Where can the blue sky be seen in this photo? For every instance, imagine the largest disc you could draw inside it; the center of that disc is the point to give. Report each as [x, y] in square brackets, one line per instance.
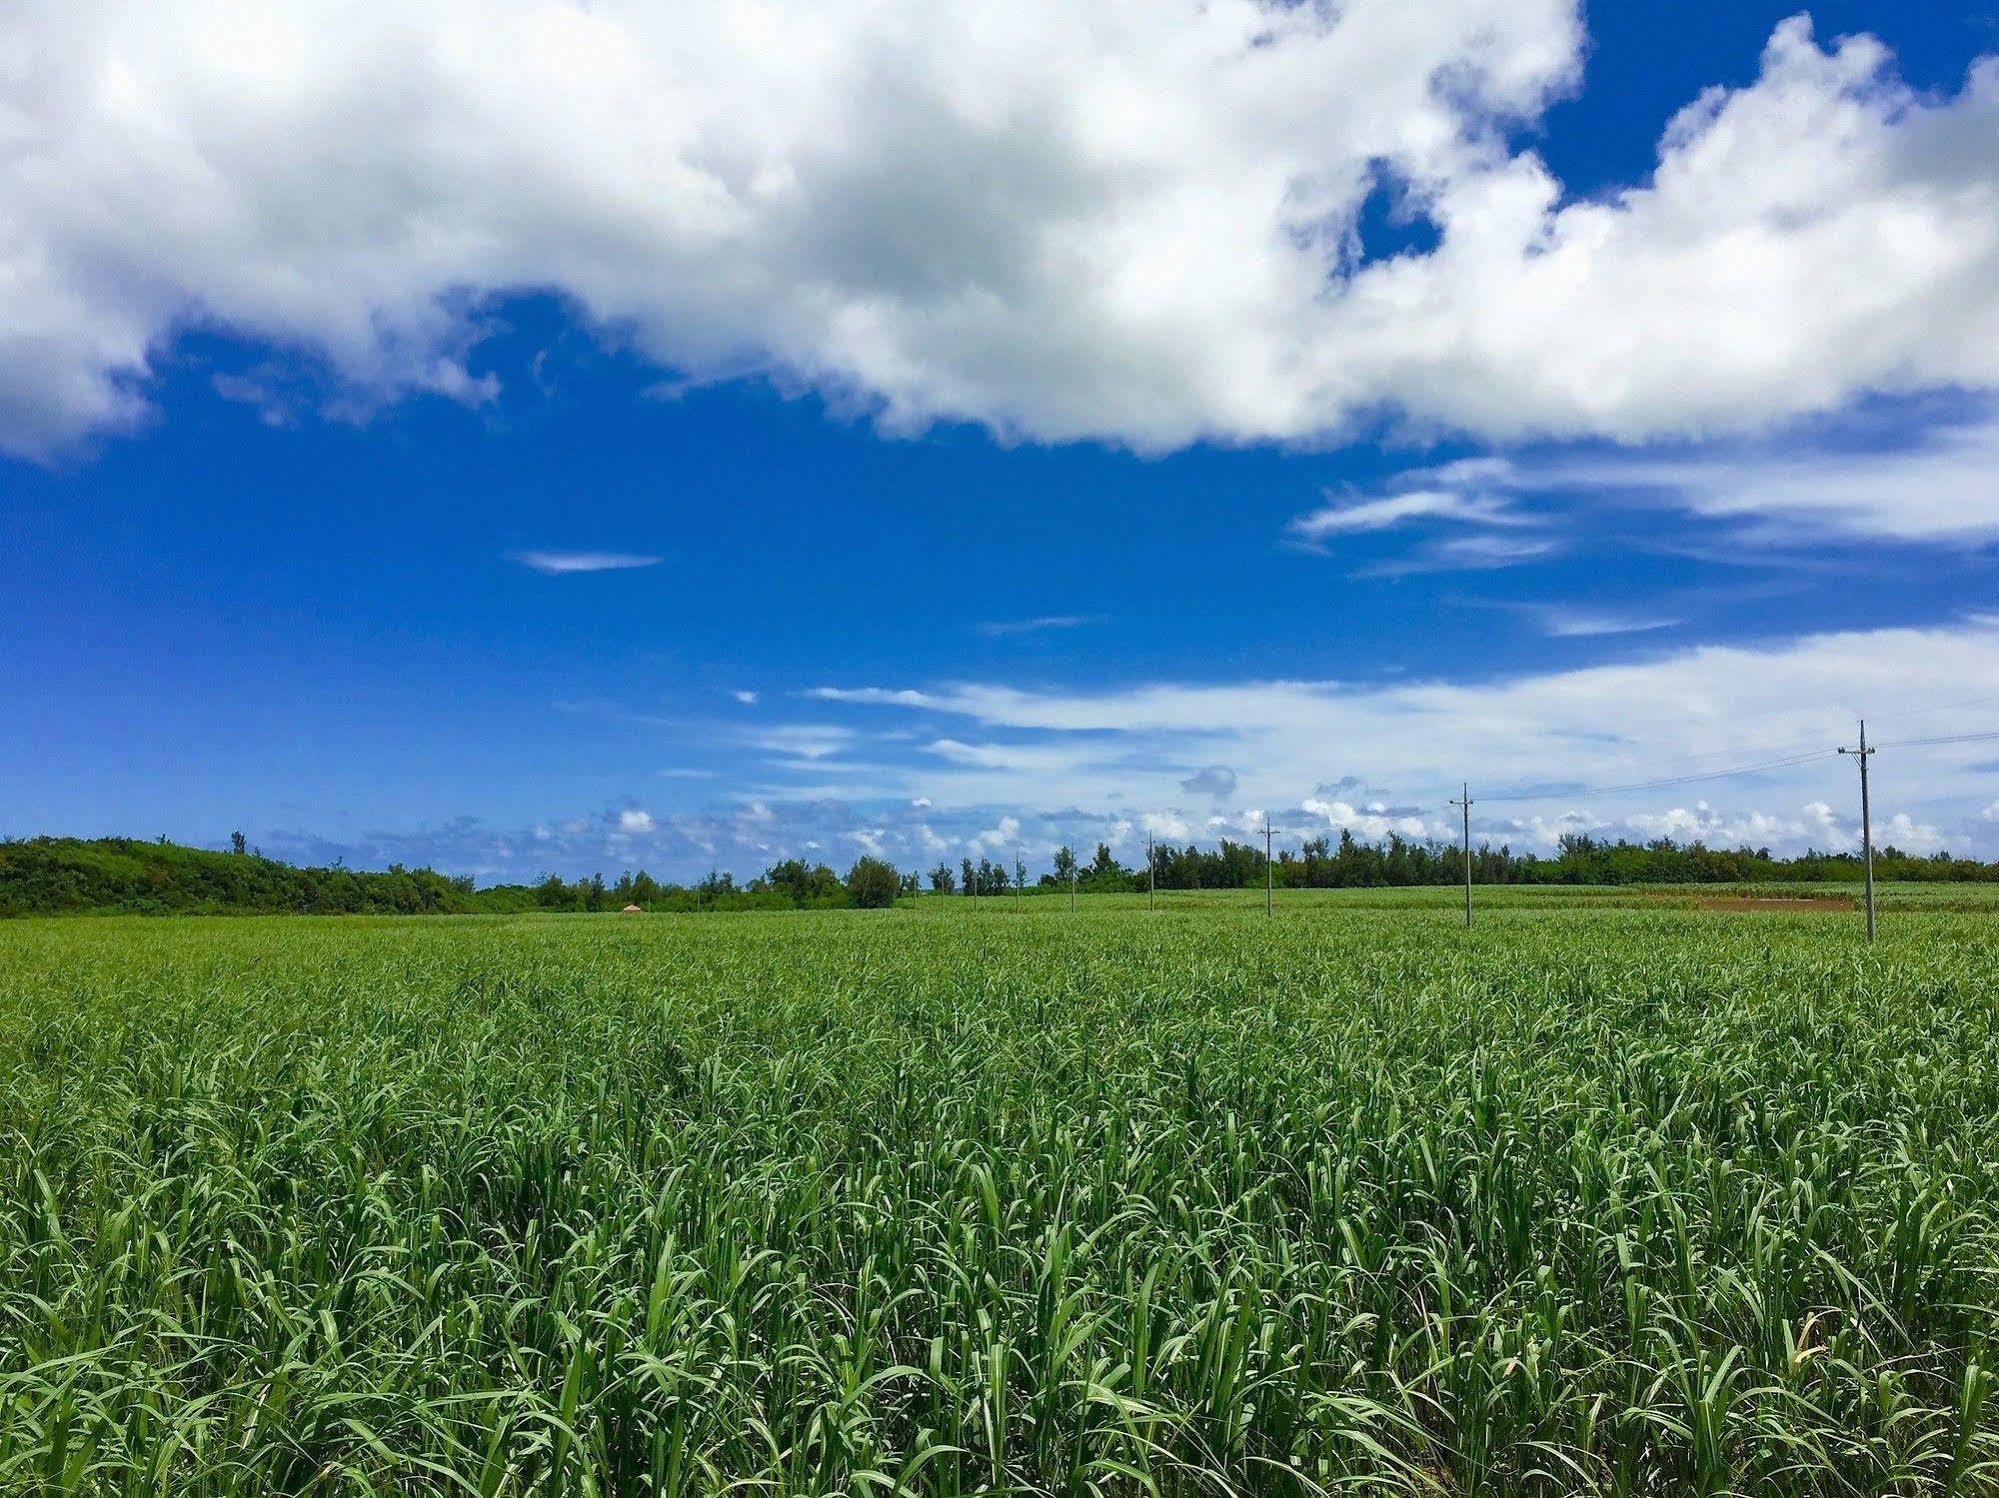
[517, 439]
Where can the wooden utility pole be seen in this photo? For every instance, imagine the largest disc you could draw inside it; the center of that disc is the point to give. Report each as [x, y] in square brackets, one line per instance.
[1269, 873]
[1151, 875]
[1019, 878]
[1463, 803]
[1866, 827]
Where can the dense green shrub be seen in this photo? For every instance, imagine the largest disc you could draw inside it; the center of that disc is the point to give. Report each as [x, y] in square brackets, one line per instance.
[873, 883]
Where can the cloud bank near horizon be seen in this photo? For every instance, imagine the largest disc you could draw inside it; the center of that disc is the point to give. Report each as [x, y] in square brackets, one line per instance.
[921, 773]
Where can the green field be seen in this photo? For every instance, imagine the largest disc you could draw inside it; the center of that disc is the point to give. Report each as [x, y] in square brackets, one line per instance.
[1938, 896]
[952, 1198]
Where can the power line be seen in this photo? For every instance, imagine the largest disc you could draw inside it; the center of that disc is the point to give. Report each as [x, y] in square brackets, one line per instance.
[1945, 707]
[1673, 780]
[1783, 763]
[1948, 738]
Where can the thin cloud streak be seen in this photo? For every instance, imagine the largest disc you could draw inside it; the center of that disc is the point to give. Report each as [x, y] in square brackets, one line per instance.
[1358, 516]
[1560, 623]
[1481, 553]
[999, 628]
[559, 563]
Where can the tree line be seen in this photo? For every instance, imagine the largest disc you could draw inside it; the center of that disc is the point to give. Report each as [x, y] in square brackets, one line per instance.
[47, 876]
[870, 884]
[1349, 863]
[111, 875]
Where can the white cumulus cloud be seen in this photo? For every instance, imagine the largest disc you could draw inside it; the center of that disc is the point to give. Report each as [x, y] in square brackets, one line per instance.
[1001, 836]
[1816, 826]
[1373, 822]
[1129, 219]
[1906, 833]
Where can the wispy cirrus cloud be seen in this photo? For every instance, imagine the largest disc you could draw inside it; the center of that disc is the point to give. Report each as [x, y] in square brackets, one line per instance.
[557, 563]
[1573, 621]
[1467, 521]
[1479, 553]
[1347, 517]
[806, 744]
[1560, 622]
[1807, 485]
[999, 628]
[877, 696]
[1940, 488]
